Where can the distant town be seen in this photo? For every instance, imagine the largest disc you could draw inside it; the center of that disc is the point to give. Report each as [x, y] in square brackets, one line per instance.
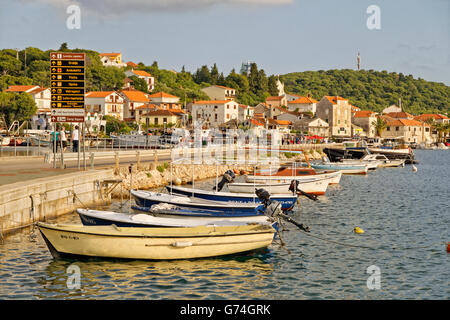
[144, 109]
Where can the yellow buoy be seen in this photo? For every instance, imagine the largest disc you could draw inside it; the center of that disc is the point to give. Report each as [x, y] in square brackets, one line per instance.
[358, 230]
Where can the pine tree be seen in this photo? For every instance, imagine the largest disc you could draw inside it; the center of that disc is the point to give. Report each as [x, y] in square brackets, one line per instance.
[214, 74]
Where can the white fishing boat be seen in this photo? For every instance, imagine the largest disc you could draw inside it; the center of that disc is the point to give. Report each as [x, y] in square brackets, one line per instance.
[96, 217]
[4, 141]
[333, 176]
[313, 186]
[153, 243]
[371, 160]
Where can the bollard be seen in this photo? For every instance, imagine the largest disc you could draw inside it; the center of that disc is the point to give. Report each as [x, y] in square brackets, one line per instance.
[116, 157]
[138, 159]
[156, 158]
[91, 157]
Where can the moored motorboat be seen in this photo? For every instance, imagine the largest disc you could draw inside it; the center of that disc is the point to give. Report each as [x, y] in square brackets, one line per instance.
[344, 168]
[334, 176]
[120, 219]
[313, 186]
[144, 198]
[154, 243]
[287, 201]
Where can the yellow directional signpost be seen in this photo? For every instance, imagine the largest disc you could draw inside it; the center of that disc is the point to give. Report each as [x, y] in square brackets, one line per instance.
[67, 85]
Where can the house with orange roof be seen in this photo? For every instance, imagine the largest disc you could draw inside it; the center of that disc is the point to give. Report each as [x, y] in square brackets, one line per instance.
[410, 131]
[132, 99]
[276, 101]
[281, 125]
[159, 117]
[400, 115]
[112, 59]
[312, 126]
[105, 103]
[337, 112]
[216, 92]
[365, 120]
[165, 100]
[149, 79]
[215, 112]
[303, 104]
[439, 118]
[42, 97]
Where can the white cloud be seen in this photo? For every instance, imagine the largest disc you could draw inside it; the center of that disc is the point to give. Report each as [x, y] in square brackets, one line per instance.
[120, 7]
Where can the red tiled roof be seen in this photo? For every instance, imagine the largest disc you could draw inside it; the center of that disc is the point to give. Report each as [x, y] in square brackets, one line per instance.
[136, 95]
[255, 122]
[141, 73]
[98, 94]
[363, 114]
[405, 122]
[20, 88]
[162, 95]
[334, 99]
[399, 115]
[304, 100]
[435, 116]
[112, 54]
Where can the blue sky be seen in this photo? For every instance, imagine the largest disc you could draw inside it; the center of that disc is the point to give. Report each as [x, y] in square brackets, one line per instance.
[281, 36]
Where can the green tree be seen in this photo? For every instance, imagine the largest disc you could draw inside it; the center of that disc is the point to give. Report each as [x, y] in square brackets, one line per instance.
[139, 84]
[380, 125]
[272, 85]
[16, 106]
[214, 74]
[9, 65]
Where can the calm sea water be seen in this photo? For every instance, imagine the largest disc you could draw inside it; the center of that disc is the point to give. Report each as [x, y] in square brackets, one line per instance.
[405, 215]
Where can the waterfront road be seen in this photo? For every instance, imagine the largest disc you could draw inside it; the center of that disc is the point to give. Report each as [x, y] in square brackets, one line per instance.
[16, 169]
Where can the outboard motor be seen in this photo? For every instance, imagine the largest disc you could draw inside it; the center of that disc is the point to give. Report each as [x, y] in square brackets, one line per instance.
[263, 196]
[227, 177]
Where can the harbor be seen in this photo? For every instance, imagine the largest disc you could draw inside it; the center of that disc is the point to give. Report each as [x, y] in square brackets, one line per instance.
[405, 230]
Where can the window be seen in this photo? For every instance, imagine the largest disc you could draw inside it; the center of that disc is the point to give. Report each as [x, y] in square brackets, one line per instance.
[388, 129]
[156, 120]
[215, 117]
[228, 116]
[164, 120]
[397, 128]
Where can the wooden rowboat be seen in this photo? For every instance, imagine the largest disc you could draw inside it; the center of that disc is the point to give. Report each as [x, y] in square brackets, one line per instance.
[153, 243]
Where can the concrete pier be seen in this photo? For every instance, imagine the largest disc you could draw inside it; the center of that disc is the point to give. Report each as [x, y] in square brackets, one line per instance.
[24, 203]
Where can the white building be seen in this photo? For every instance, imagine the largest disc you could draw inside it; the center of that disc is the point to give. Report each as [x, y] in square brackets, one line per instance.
[217, 92]
[303, 104]
[149, 79]
[215, 112]
[106, 103]
[112, 59]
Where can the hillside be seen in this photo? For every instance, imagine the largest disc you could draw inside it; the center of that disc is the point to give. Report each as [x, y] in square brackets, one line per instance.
[372, 90]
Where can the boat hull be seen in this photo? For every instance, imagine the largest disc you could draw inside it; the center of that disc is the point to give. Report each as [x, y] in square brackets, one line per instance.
[104, 218]
[148, 199]
[287, 201]
[316, 187]
[154, 243]
[345, 169]
[334, 178]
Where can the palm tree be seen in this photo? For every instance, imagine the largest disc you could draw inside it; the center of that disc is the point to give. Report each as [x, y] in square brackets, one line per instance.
[440, 128]
[380, 125]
